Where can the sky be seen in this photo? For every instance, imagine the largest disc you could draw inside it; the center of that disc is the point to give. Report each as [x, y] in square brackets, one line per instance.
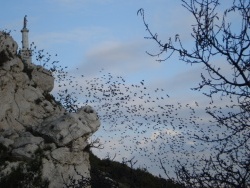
[97, 34]
[92, 35]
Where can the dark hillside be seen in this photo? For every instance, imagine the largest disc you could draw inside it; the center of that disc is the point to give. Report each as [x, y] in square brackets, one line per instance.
[107, 173]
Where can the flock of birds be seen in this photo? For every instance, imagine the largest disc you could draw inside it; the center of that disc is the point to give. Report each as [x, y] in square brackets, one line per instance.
[137, 121]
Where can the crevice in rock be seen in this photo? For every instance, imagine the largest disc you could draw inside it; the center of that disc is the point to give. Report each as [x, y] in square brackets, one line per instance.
[3, 58]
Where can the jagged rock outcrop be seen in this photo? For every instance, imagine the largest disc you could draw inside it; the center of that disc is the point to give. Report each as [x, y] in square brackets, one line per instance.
[31, 120]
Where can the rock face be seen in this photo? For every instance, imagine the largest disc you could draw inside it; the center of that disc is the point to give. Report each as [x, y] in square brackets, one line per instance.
[31, 120]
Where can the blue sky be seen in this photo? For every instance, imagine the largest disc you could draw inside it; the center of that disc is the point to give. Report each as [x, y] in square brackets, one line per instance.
[107, 34]
[101, 33]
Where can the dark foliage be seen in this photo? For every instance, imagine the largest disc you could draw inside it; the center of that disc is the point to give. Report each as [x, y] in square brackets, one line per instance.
[26, 174]
[227, 136]
[4, 154]
[83, 182]
[107, 173]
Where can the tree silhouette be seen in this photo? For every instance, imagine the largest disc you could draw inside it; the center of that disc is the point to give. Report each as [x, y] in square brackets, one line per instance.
[228, 134]
[144, 122]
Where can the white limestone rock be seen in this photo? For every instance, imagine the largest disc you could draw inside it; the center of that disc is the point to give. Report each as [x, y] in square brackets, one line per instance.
[32, 95]
[69, 127]
[52, 168]
[5, 141]
[30, 119]
[26, 145]
[27, 152]
[7, 89]
[43, 79]
[89, 114]
[7, 42]
[26, 138]
[79, 144]
[15, 64]
[63, 155]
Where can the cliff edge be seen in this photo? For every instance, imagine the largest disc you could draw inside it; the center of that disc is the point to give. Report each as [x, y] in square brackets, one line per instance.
[35, 128]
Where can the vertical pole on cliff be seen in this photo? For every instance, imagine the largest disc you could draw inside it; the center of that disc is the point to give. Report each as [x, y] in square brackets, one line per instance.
[26, 52]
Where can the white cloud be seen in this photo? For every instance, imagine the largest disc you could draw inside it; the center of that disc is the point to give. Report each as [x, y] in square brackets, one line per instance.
[119, 57]
[163, 132]
[113, 51]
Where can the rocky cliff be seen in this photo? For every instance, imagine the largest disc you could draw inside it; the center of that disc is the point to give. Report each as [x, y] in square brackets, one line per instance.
[33, 125]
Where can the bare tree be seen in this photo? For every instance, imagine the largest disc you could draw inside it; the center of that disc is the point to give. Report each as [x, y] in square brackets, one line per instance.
[215, 36]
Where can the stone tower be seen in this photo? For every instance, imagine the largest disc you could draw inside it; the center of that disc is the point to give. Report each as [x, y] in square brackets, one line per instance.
[25, 52]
